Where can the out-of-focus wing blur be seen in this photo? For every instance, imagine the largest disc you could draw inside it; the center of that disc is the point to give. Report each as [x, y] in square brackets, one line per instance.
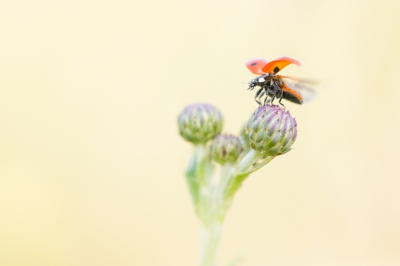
[307, 92]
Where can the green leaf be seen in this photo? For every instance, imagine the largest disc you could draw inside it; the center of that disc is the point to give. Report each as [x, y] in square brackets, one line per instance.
[234, 186]
[248, 163]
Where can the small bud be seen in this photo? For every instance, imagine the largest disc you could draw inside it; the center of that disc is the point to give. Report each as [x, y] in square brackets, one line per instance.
[199, 122]
[225, 148]
[271, 130]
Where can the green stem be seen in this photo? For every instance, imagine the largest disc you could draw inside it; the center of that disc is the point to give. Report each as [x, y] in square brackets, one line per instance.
[210, 238]
[213, 209]
[215, 198]
[199, 171]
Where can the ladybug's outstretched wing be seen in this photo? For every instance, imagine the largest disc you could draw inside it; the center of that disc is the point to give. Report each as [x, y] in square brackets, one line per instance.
[297, 92]
[278, 64]
[256, 65]
[291, 79]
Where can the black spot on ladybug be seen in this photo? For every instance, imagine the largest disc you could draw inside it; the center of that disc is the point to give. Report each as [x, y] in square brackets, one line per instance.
[276, 70]
[254, 64]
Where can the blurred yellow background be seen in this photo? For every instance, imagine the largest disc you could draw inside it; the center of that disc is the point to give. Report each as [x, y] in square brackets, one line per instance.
[91, 164]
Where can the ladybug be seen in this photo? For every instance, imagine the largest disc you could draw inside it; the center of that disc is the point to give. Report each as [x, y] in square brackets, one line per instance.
[275, 86]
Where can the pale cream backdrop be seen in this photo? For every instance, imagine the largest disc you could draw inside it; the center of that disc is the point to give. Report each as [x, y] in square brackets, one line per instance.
[91, 164]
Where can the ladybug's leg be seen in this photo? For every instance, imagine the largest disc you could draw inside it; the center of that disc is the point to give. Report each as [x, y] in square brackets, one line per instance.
[261, 95]
[258, 95]
[272, 94]
[281, 103]
[280, 99]
[278, 92]
[272, 100]
[266, 94]
[271, 97]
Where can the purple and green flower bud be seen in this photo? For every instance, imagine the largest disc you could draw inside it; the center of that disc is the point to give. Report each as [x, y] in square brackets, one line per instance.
[225, 148]
[200, 122]
[271, 130]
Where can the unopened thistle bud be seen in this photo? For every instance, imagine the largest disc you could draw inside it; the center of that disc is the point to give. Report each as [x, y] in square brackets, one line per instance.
[225, 148]
[244, 138]
[200, 122]
[271, 130]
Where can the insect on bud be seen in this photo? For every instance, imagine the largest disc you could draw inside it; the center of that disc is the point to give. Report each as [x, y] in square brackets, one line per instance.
[271, 130]
[199, 122]
[225, 148]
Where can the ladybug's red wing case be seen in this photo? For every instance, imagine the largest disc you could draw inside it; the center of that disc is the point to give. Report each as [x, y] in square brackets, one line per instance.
[278, 64]
[256, 65]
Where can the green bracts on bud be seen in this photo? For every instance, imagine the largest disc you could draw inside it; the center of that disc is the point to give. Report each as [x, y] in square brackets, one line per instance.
[225, 148]
[244, 138]
[271, 130]
[199, 122]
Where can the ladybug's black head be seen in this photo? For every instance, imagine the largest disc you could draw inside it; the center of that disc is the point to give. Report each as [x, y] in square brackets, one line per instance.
[259, 81]
[252, 84]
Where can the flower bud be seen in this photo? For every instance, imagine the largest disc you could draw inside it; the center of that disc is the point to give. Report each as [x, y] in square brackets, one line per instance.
[271, 130]
[199, 122]
[225, 148]
[244, 138]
